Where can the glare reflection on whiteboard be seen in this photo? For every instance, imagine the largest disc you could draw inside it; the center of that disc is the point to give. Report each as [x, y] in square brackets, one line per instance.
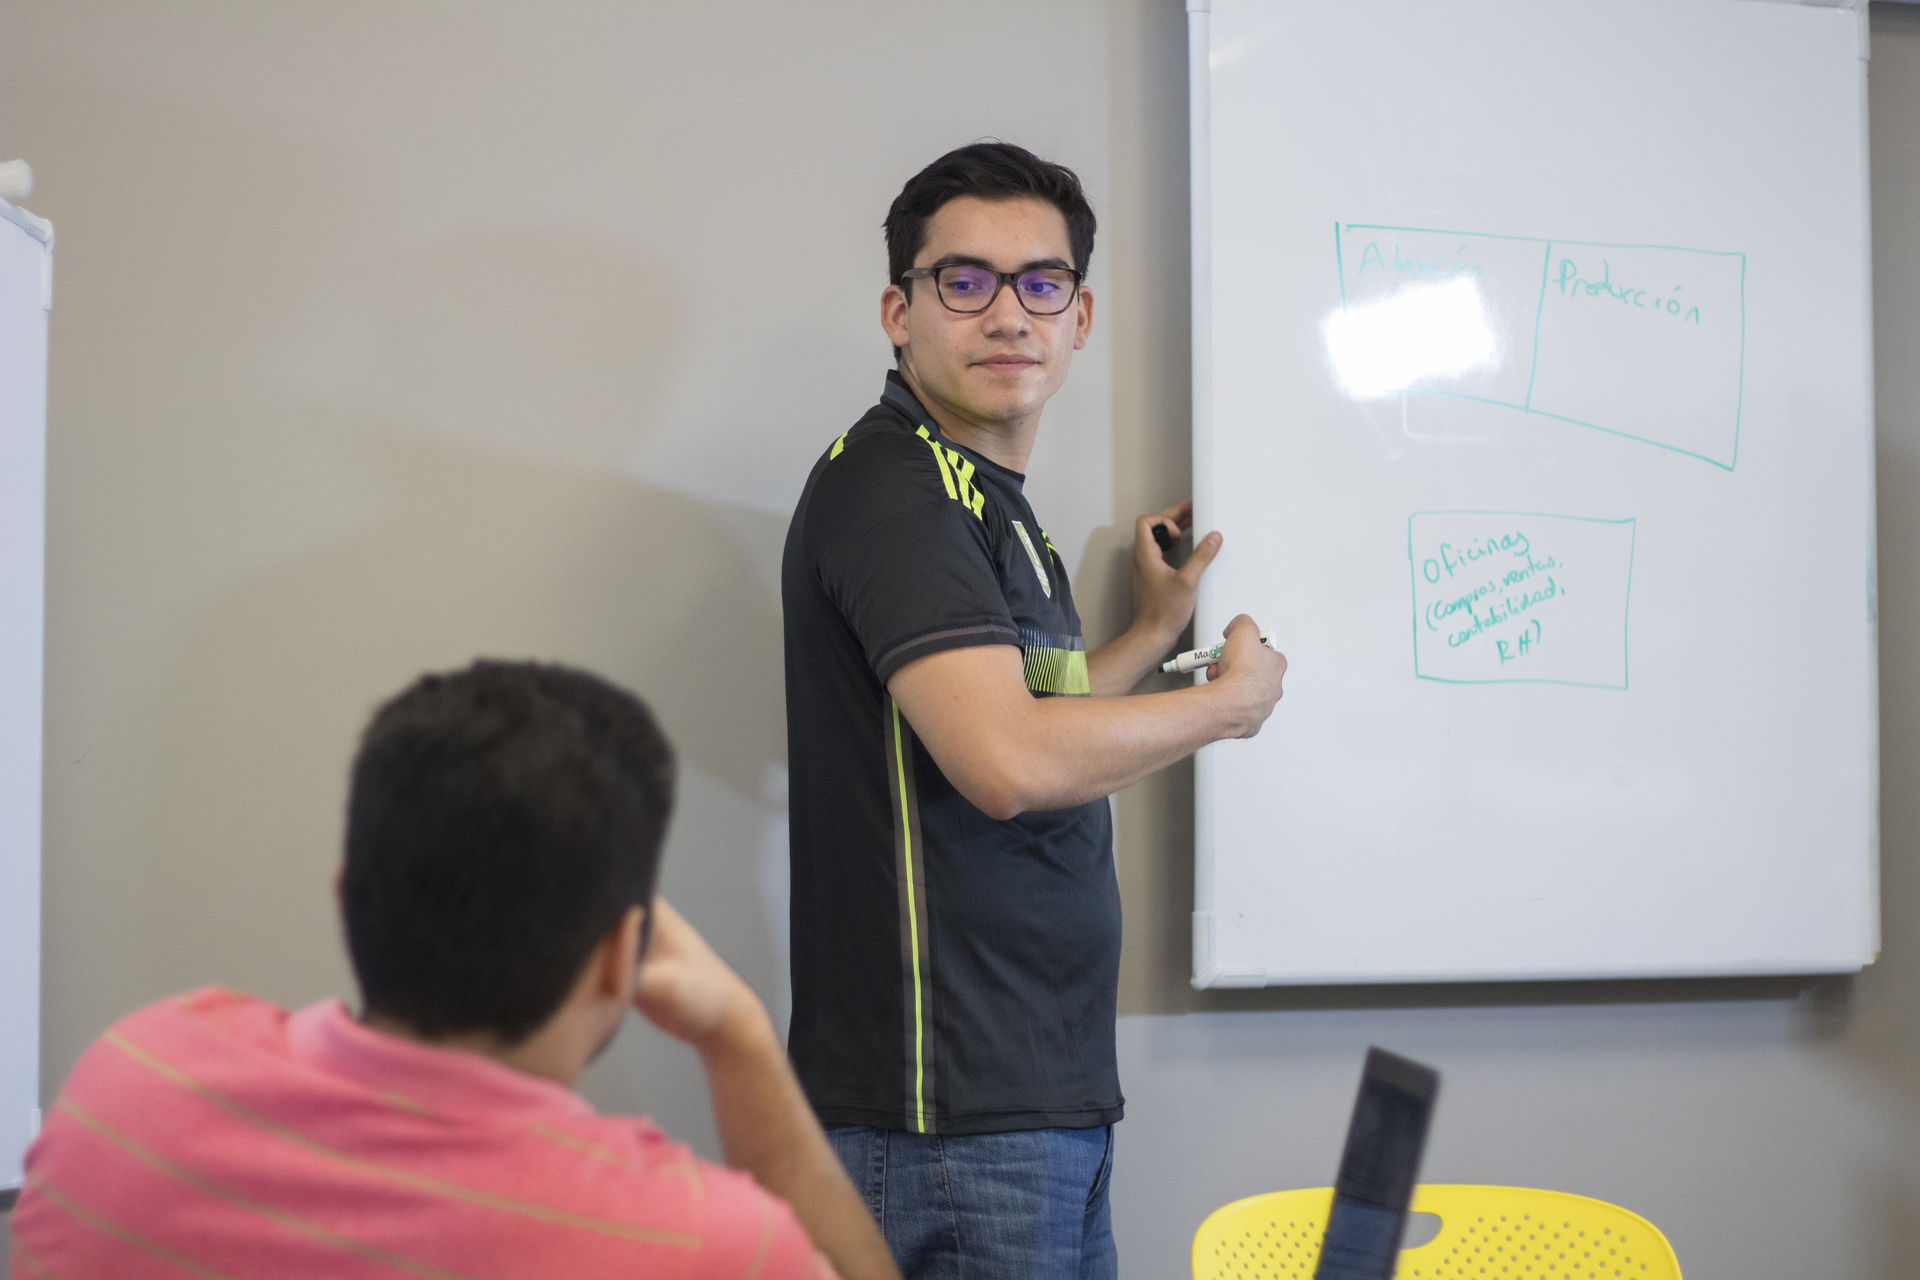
[1411, 338]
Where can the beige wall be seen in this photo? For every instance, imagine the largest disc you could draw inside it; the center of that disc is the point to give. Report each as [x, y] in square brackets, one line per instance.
[386, 335]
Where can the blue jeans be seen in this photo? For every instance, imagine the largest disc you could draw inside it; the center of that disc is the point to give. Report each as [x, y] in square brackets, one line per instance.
[1030, 1205]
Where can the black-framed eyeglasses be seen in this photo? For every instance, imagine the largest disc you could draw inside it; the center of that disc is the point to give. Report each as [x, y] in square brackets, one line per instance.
[1043, 291]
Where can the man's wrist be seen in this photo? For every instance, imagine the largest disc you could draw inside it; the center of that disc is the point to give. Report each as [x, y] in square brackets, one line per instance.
[1157, 634]
[1228, 708]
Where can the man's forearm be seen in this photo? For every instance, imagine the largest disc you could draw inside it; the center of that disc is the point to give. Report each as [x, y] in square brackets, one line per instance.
[1015, 753]
[1085, 748]
[1124, 661]
[1008, 752]
[767, 1129]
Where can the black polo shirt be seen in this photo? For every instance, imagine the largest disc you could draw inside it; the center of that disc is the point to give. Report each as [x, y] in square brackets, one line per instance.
[951, 973]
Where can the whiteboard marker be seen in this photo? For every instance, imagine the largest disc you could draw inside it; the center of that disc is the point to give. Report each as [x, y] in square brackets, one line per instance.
[1198, 658]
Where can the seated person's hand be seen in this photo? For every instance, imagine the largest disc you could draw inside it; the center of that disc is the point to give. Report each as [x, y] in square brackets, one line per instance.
[687, 990]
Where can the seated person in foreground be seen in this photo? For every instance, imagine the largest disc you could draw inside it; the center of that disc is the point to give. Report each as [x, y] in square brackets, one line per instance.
[503, 835]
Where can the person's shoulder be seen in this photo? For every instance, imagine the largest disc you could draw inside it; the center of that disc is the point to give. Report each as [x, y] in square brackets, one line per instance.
[217, 1011]
[883, 466]
[882, 442]
[191, 1037]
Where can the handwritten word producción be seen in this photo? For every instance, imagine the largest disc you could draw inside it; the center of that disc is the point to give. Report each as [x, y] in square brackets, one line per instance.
[1569, 281]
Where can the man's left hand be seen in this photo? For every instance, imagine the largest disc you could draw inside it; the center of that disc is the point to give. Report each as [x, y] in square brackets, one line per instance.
[1163, 595]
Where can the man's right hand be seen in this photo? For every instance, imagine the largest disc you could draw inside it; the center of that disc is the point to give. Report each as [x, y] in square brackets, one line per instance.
[688, 991]
[1250, 673]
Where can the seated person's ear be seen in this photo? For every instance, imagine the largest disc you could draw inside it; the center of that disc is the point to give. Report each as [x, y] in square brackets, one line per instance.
[625, 948]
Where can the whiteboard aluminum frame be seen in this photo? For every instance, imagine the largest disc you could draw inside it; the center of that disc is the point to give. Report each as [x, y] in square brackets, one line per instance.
[23, 449]
[1206, 972]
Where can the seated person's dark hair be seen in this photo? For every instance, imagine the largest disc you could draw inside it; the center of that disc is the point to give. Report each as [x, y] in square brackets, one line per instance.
[501, 820]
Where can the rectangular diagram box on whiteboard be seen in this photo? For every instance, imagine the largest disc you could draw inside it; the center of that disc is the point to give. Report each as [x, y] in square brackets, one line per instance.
[1642, 341]
[1516, 596]
[1401, 287]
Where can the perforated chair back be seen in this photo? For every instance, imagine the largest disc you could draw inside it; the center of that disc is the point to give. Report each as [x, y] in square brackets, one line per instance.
[1486, 1233]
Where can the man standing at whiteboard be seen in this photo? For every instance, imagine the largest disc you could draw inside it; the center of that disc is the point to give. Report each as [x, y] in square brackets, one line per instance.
[955, 912]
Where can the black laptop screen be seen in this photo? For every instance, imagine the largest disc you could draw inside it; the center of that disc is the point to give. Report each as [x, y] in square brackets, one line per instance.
[1378, 1169]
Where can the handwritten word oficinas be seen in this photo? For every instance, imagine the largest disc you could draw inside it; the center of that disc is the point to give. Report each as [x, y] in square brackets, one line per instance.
[1571, 283]
[1457, 265]
[1452, 559]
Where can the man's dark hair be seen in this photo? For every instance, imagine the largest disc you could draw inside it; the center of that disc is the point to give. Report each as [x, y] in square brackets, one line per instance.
[501, 821]
[988, 171]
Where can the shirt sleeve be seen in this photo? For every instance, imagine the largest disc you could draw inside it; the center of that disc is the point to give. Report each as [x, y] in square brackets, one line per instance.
[752, 1234]
[790, 1253]
[908, 567]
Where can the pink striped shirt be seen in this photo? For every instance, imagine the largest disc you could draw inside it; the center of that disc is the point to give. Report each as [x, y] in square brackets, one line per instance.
[217, 1135]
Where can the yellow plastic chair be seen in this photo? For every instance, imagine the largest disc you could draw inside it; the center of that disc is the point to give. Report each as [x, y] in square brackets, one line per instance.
[1486, 1233]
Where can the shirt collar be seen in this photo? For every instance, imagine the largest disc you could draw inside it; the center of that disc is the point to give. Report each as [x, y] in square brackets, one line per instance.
[896, 395]
[326, 1036]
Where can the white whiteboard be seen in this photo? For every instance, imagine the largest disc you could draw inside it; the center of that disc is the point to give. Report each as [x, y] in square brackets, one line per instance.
[26, 291]
[1532, 392]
